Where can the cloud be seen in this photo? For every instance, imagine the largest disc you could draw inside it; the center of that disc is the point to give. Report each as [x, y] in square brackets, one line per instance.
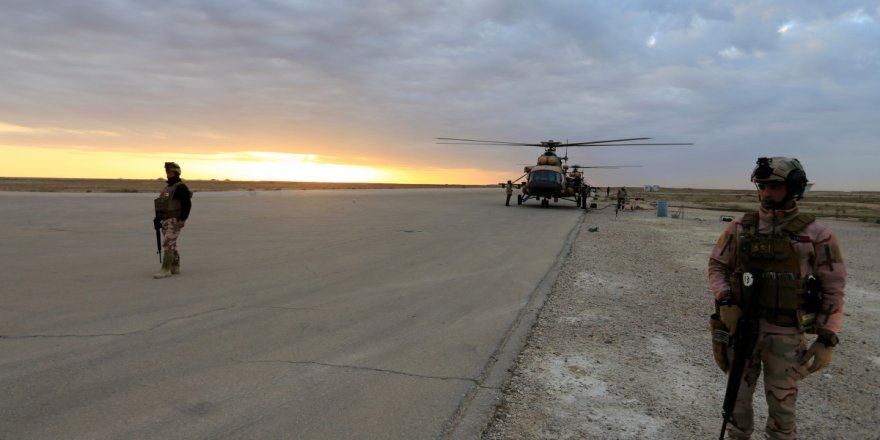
[12, 128]
[375, 77]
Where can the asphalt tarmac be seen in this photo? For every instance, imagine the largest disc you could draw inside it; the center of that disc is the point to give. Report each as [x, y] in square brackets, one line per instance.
[387, 314]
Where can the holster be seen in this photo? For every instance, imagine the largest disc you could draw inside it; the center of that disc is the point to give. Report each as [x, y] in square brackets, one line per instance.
[720, 342]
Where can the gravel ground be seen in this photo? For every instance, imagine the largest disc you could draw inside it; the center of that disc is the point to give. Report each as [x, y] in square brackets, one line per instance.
[621, 348]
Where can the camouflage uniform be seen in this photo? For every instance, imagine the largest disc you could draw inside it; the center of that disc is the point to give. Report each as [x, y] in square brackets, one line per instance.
[172, 210]
[170, 230]
[780, 348]
[509, 190]
[621, 197]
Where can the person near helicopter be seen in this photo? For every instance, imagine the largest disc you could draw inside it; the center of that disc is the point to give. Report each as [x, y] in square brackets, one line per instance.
[786, 270]
[509, 189]
[621, 197]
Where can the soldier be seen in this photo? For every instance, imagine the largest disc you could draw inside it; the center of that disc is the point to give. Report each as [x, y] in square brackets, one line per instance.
[775, 255]
[621, 197]
[509, 189]
[172, 209]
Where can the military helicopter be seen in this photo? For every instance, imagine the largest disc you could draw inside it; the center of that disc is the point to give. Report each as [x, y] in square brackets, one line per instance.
[551, 178]
[583, 189]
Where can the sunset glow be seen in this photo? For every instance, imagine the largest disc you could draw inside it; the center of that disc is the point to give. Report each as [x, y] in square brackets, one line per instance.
[20, 161]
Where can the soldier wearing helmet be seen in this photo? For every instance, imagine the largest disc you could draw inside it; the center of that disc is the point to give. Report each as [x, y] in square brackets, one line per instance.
[790, 267]
[172, 209]
[508, 189]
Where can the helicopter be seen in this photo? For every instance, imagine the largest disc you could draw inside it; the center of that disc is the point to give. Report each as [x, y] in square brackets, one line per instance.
[575, 179]
[551, 178]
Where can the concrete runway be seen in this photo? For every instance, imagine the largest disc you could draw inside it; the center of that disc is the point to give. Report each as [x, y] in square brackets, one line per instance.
[387, 314]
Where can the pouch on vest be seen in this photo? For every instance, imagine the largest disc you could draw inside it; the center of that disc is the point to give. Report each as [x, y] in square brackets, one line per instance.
[166, 206]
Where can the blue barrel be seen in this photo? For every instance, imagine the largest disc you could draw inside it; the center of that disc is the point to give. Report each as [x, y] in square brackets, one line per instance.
[662, 208]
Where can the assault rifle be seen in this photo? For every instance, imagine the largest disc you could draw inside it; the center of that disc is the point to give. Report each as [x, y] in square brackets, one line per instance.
[743, 344]
[157, 226]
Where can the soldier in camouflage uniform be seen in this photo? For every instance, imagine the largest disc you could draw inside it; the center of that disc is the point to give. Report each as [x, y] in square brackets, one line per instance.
[621, 197]
[509, 191]
[786, 251]
[172, 209]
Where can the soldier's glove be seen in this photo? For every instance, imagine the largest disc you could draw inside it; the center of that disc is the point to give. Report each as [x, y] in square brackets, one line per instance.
[820, 355]
[729, 317]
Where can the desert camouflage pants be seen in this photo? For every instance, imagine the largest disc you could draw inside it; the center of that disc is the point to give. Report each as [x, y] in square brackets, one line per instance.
[171, 231]
[780, 357]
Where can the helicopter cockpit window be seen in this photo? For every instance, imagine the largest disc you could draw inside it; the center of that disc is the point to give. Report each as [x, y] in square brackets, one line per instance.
[546, 176]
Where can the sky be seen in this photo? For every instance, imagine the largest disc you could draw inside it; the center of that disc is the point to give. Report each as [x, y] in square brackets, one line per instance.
[358, 91]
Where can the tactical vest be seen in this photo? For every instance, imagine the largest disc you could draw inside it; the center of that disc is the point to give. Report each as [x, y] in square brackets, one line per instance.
[166, 205]
[778, 284]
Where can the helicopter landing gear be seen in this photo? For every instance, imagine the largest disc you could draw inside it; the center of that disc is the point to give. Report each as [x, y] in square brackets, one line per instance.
[519, 199]
[577, 201]
[545, 203]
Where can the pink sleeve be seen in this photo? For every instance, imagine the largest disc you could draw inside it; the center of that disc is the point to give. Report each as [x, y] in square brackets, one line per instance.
[721, 260]
[829, 268]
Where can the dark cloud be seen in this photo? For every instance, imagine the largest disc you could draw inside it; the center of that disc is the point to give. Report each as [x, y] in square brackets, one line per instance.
[741, 79]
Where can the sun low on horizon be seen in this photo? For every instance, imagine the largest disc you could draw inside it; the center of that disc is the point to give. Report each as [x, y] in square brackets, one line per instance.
[22, 161]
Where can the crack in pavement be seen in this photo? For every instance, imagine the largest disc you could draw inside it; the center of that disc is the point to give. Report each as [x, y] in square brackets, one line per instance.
[133, 332]
[310, 309]
[358, 367]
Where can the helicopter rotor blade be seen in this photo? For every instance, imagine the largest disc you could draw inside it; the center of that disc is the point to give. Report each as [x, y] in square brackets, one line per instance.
[604, 142]
[482, 142]
[607, 166]
[497, 144]
[625, 145]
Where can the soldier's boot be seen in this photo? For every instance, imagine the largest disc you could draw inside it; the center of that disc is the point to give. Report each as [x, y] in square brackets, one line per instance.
[167, 261]
[175, 264]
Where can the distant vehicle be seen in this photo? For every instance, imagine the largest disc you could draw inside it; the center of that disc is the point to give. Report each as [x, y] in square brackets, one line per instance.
[551, 178]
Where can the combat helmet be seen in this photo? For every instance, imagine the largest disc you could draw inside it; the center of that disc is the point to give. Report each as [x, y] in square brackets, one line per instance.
[172, 166]
[782, 169]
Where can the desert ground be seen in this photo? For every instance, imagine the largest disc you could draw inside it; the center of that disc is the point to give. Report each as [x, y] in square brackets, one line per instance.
[621, 347]
[403, 313]
[856, 205]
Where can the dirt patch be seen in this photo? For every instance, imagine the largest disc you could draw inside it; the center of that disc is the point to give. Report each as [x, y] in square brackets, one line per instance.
[621, 348]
